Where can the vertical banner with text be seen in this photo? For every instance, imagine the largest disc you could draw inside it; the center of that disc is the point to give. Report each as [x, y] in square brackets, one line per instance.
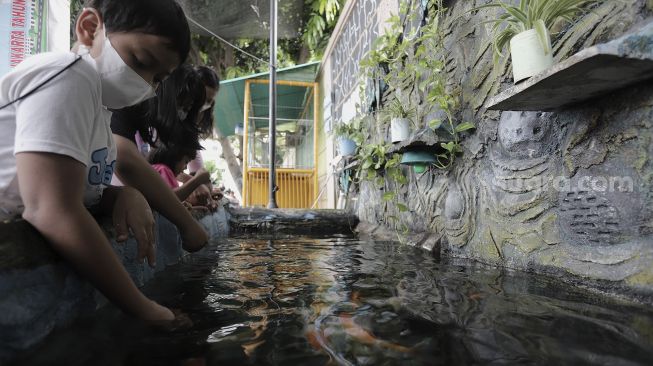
[23, 31]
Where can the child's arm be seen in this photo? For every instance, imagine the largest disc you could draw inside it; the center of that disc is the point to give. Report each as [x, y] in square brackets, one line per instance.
[202, 177]
[135, 171]
[130, 211]
[52, 188]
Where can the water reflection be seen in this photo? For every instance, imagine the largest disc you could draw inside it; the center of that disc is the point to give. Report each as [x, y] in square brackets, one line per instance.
[341, 301]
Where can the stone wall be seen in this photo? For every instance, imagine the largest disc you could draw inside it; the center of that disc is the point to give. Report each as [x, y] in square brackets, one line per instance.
[39, 291]
[475, 211]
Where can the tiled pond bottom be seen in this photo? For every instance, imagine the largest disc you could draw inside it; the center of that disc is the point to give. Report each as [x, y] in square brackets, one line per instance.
[342, 301]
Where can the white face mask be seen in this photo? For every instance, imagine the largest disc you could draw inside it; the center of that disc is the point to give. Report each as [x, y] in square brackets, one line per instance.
[121, 86]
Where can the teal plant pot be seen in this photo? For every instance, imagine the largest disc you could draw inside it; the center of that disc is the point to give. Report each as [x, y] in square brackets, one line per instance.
[419, 160]
[347, 147]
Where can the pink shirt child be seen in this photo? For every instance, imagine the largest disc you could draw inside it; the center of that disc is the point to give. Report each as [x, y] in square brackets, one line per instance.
[167, 174]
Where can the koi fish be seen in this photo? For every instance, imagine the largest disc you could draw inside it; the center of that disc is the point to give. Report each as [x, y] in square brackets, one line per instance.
[316, 336]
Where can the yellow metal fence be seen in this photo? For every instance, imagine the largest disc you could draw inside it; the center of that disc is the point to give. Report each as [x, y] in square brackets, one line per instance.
[296, 187]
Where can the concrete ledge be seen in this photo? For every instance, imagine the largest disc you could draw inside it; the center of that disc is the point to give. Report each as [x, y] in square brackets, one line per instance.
[590, 73]
[425, 240]
[292, 221]
[23, 247]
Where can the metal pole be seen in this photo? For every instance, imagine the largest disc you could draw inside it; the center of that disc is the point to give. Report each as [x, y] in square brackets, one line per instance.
[273, 103]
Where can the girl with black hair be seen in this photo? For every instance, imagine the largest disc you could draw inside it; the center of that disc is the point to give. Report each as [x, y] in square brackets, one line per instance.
[211, 83]
[160, 121]
[169, 162]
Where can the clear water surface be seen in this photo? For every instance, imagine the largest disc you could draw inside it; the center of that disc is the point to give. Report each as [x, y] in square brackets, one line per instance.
[341, 301]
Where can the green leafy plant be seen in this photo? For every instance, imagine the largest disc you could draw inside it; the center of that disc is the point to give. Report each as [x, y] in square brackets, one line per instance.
[350, 130]
[371, 162]
[397, 109]
[429, 65]
[387, 48]
[386, 59]
[540, 15]
[320, 23]
[416, 60]
[381, 168]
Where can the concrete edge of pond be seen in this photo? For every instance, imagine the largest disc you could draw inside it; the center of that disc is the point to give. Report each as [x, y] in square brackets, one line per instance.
[292, 221]
[431, 242]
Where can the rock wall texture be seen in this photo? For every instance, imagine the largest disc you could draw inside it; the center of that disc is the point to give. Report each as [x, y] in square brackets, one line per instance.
[568, 191]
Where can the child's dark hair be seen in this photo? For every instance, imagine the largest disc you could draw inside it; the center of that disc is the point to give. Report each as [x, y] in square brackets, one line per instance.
[209, 77]
[170, 155]
[211, 80]
[184, 89]
[158, 17]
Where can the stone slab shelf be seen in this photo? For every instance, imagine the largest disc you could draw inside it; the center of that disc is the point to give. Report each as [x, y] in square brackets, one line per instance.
[590, 73]
[256, 220]
[424, 139]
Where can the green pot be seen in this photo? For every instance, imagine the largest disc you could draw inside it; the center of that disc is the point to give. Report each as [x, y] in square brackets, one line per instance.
[419, 160]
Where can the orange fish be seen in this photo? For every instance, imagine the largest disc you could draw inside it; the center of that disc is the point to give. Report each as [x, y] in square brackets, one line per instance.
[361, 335]
[353, 330]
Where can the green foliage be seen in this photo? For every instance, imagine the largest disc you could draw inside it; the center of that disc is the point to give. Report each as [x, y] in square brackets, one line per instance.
[397, 109]
[386, 49]
[376, 165]
[317, 24]
[350, 130]
[244, 65]
[540, 15]
[213, 170]
[417, 60]
[379, 167]
[76, 7]
[321, 21]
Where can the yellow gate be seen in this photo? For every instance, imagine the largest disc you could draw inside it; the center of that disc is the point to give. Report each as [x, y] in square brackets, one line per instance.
[296, 150]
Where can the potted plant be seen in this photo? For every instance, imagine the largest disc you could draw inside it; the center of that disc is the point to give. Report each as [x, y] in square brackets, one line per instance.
[349, 136]
[400, 120]
[526, 27]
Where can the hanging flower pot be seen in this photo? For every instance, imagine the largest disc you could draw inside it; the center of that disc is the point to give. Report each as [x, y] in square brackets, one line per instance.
[347, 147]
[418, 159]
[530, 53]
[399, 129]
[525, 25]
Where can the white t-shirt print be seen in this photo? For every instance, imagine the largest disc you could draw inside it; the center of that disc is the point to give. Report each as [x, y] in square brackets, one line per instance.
[64, 117]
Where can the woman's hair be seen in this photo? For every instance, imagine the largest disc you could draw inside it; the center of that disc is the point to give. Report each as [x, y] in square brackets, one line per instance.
[211, 80]
[157, 17]
[170, 155]
[209, 77]
[182, 90]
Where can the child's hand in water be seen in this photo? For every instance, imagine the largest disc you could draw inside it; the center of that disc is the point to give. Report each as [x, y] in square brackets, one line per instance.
[200, 196]
[132, 212]
[170, 320]
[157, 314]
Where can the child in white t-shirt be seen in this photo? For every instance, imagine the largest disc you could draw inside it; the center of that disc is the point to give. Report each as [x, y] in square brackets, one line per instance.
[57, 153]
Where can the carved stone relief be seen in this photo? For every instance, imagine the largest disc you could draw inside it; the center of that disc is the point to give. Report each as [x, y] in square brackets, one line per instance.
[570, 190]
[460, 208]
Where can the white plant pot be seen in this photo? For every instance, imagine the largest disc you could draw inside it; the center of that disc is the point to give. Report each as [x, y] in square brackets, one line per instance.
[528, 56]
[399, 129]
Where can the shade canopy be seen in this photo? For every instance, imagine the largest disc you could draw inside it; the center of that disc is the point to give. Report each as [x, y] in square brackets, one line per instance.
[291, 100]
[233, 19]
